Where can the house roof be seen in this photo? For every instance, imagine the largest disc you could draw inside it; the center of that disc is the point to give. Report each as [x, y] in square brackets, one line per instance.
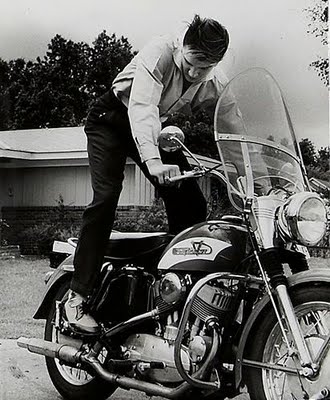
[52, 145]
[32, 144]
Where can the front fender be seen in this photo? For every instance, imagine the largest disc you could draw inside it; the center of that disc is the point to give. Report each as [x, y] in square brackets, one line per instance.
[62, 273]
[320, 275]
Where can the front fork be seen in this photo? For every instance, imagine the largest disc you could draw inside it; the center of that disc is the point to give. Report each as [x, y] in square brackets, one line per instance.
[279, 282]
[308, 368]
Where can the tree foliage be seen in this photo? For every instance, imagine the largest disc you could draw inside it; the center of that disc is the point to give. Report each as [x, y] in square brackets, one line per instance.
[308, 152]
[318, 26]
[317, 162]
[57, 90]
[198, 130]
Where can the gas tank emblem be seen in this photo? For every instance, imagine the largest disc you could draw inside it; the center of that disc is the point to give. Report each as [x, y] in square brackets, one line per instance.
[196, 248]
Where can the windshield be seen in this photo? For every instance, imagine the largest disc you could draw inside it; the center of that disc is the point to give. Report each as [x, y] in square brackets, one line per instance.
[255, 138]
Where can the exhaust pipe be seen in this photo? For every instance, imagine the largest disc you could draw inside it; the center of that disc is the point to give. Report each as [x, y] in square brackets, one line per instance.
[70, 354]
[63, 352]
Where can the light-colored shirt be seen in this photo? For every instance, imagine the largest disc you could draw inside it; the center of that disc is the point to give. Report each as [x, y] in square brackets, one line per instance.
[151, 86]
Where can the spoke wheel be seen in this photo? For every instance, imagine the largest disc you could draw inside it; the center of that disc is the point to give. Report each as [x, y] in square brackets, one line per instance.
[312, 308]
[73, 382]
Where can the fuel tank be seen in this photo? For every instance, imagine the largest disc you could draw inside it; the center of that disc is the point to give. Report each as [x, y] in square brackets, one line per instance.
[212, 246]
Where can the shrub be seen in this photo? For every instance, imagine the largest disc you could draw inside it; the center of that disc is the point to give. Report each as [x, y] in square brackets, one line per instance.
[38, 239]
[153, 219]
[3, 228]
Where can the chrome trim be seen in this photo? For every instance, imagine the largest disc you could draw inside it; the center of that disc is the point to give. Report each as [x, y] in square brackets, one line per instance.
[288, 216]
[291, 320]
[264, 210]
[277, 367]
[232, 137]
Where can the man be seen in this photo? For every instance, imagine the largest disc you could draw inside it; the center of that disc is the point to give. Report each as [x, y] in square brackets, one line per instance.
[166, 76]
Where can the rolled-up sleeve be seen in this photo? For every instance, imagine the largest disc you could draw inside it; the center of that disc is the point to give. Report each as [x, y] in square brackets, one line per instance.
[146, 92]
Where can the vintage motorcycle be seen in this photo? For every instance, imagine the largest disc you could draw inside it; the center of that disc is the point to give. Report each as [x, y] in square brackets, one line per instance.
[224, 305]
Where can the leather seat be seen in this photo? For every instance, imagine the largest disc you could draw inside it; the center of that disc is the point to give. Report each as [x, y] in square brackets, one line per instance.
[127, 247]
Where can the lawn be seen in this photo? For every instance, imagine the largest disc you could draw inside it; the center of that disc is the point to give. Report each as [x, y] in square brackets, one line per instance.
[22, 288]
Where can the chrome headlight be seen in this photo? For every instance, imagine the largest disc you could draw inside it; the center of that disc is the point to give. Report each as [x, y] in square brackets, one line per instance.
[303, 218]
[172, 288]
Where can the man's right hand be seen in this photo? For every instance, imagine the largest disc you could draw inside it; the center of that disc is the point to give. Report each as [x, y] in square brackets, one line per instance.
[162, 171]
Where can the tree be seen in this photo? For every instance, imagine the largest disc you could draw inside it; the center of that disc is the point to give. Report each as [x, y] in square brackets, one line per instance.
[48, 92]
[308, 152]
[316, 162]
[108, 57]
[324, 159]
[4, 96]
[57, 90]
[198, 130]
[319, 27]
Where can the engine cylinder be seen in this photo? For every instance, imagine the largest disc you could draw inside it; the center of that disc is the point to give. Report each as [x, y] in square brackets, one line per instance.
[212, 301]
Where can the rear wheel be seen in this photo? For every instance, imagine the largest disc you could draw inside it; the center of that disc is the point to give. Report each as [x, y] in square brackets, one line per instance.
[266, 344]
[73, 383]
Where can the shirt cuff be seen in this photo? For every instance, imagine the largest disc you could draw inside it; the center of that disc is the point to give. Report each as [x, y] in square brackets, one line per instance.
[148, 151]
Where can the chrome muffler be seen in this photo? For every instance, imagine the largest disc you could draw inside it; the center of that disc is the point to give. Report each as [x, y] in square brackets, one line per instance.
[71, 354]
[63, 352]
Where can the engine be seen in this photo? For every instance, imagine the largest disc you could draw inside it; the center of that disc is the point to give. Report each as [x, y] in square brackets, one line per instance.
[214, 299]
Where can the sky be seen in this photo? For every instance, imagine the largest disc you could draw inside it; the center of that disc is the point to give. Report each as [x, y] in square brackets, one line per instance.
[263, 33]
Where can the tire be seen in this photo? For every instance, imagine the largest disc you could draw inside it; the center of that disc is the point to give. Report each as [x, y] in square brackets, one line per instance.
[72, 383]
[266, 344]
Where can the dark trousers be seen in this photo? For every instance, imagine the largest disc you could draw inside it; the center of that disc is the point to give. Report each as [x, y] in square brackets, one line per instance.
[109, 143]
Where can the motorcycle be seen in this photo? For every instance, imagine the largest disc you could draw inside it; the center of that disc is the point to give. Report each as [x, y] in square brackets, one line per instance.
[224, 305]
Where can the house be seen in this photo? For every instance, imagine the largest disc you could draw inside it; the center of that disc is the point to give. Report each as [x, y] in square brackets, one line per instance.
[41, 167]
[37, 166]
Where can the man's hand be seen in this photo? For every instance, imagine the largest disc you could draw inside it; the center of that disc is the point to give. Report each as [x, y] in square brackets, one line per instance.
[162, 171]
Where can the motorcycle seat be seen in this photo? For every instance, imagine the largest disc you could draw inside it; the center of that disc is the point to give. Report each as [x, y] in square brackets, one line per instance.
[129, 246]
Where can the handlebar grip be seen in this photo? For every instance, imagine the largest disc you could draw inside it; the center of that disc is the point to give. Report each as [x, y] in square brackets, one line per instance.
[185, 175]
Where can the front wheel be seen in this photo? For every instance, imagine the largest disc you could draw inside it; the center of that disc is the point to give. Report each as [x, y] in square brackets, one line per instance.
[73, 383]
[266, 344]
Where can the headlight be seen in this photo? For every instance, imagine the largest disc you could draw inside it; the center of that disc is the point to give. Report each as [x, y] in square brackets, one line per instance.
[172, 288]
[303, 218]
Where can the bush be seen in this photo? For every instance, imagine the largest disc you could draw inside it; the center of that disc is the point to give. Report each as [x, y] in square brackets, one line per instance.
[3, 229]
[154, 219]
[38, 239]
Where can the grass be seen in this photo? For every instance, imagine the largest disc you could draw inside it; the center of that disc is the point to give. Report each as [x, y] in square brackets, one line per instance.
[22, 288]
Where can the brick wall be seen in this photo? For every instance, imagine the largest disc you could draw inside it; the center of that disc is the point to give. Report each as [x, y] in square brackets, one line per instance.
[21, 218]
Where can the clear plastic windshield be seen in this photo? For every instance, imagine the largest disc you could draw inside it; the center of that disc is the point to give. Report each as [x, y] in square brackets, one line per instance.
[255, 138]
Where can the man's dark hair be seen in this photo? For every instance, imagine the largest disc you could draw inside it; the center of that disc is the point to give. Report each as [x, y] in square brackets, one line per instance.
[208, 37]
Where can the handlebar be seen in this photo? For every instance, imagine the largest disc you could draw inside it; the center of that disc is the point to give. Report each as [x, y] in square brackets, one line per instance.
[195, 173]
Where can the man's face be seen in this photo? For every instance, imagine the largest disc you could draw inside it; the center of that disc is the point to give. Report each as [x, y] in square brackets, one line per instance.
[194, 69]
